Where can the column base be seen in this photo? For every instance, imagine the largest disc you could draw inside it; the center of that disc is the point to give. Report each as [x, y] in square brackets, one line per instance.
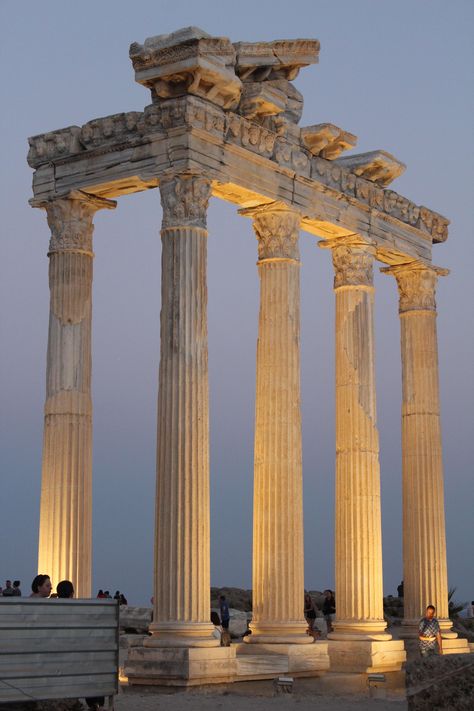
[180, 666]
[365, 656]
[370, 630]
[294, 633]
[267, 661]
[181, 634]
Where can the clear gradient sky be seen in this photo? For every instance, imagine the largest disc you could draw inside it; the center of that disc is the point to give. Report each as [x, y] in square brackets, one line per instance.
[398, 74]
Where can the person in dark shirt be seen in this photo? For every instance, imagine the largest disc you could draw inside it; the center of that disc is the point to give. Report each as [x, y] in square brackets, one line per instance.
[8, 590]
[16, 588]
[224, 610]
[429, 633]
[329, 608]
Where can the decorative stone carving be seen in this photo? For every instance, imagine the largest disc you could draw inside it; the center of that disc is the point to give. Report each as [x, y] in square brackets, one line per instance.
[353, 261]
[250, 135]
[277, 230]
[416, 285]
[281, 59]
[54, 144]
[111, 129]
[433, 223]
[377, 166]
[327, 140]
[70, 220]
[188, 62]
[291, 156]
[184, 199]
[184, 111]
[260, 99]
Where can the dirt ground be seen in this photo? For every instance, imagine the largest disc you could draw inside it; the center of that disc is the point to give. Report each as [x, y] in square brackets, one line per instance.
[251, 697]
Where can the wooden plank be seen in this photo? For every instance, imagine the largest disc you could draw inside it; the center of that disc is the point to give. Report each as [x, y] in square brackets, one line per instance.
[60, 688]
[14, 666]
[25, 640]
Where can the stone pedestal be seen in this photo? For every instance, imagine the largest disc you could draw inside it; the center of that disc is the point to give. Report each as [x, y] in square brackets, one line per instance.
[65, 533]
[180, 666]
[424, 534]
[278, 571]
[359, 635]
[182, 578]
[268, 661]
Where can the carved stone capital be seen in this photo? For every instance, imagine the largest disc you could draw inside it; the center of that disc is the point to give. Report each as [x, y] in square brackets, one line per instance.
[70, 220]
[277, 230]
[353, 261]
[184, 199]
[416, 285]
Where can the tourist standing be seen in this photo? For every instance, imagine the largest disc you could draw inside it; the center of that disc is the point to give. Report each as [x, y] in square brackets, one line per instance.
[429, 633]
[16, 588]
[8, 590]
[309, 612]
[329, 608]
[224, 610]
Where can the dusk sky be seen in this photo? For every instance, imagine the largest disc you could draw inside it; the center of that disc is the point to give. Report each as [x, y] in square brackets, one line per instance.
[398, 74]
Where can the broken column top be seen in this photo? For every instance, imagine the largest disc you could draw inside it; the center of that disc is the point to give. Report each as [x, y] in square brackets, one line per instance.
[190, 61]
[280, 59]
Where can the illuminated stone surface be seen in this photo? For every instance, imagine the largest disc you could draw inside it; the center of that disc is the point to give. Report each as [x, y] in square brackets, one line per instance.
[424, 532]
[182, 558]
[278, 565]
[224, 121]
[359, 622]
[65, 534]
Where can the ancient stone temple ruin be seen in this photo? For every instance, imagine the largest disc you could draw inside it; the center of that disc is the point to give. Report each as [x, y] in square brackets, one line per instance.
[224, 121]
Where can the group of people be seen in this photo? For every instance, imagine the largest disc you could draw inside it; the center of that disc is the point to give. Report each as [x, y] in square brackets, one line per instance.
[118, 596]
[11, 590]
[328, 610]
[429, 632]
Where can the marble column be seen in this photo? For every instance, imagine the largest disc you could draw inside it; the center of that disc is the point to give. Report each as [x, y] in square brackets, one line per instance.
[182, 538]
[359, 627]
[65, 532]
[278, 567]
[424, 538]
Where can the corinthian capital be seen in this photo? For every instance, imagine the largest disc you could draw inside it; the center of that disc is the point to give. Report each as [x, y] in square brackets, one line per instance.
[353, 261]
[416, 285]
[70, 220]
[184, 199]
[277, 229]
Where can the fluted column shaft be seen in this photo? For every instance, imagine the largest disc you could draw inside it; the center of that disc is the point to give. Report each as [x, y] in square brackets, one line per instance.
[278, 567]
[182, 538]
[424, 536]
[65, 533]
[358, 535]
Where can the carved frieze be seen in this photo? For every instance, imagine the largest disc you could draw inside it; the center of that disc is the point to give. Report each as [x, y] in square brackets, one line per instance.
[249, 135]
[111, 129]
[185, 111]
[416, 285]
[291, 156]
[55, 144]
[184, 199]
[277, 230]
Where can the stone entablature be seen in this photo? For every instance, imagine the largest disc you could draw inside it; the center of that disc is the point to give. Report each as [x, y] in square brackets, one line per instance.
[134, 130]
